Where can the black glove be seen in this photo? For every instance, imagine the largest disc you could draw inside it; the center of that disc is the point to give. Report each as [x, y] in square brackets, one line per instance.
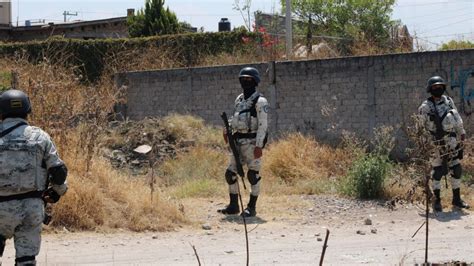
[51, 196]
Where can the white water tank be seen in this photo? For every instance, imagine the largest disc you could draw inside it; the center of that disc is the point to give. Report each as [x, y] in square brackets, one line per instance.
[5, 12]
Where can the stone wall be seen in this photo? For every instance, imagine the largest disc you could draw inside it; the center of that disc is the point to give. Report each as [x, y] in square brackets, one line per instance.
[319, 97]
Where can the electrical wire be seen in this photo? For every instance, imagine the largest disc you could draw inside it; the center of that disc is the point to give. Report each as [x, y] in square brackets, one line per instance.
[434, 3]
[447, 25]
[444, 12]
[446, 35]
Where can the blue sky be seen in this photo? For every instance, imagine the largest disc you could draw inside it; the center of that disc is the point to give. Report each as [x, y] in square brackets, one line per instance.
[433, 21]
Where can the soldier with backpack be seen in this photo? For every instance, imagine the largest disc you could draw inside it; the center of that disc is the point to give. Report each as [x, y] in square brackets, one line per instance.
[440, 117]
[249, 129]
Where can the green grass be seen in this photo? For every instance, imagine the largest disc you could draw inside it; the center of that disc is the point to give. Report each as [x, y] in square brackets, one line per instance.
[200, 188]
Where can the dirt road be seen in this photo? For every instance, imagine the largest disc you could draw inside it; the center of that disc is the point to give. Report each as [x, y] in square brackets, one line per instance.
[291, 232]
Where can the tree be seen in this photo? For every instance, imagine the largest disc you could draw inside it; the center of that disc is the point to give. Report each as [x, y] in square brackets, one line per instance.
[154, 20]
[457, 45]
[353, 20]
[244, 10]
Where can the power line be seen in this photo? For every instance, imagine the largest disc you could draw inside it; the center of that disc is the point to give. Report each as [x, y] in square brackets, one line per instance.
[447, 25]
[314, 36]
[447, 20]
[428, 41]
[445, 35]
[434, 3]
[432, 14]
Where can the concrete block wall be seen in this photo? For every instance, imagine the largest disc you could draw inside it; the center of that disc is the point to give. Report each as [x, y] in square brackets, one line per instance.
[318, 97]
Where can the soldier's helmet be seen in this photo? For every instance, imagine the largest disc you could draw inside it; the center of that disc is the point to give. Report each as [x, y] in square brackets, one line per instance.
[250, 72]
[435, 80]
[14, 103]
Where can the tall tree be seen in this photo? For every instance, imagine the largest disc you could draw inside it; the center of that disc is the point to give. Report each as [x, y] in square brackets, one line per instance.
[351, 19]
[154, 20]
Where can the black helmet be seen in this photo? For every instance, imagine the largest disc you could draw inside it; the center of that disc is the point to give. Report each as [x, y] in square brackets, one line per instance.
[14, 103]
[435, 80]
[250, 72]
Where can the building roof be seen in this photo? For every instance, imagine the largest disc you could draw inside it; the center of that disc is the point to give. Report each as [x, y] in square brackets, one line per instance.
[67, 25]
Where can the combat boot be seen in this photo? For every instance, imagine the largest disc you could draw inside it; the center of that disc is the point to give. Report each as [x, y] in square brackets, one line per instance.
[437, 207]
[251, 211]
[233, 207]
[457, 201]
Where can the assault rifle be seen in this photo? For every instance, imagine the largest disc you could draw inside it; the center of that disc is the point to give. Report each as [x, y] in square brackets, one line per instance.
[233, 147]
[439, 137]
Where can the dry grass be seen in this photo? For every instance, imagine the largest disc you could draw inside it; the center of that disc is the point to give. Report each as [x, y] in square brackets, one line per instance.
[75, 115]
[299, 164]
[406, 181]
[233, 59]
[196, 173]
[187, 127]
[109, 199]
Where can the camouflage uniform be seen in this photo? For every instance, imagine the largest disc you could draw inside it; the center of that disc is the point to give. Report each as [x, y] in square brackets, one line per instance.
[441, 118]
[25, 155]
[249, 129]
[453, 126]
[246, 123]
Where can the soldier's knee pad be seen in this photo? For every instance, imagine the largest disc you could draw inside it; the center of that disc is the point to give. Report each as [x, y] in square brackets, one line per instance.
[2, 245]
[253, 177]
[21, 260]
[230, 177]
[457, 171]
[438, 172]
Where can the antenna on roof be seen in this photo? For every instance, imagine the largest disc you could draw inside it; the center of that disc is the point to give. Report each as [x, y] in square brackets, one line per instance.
[67, 13]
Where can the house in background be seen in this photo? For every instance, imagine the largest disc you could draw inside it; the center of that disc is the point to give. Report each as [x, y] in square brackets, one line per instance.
[93, 29]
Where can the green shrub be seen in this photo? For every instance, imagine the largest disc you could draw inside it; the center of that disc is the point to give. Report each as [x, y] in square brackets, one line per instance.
[369, 170]
[367, 175]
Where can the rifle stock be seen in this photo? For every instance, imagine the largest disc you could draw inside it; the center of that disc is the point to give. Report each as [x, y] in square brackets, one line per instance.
[233, 146]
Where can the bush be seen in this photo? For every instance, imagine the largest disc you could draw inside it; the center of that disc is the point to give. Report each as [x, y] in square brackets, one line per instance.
[367, 176]
[369, 170]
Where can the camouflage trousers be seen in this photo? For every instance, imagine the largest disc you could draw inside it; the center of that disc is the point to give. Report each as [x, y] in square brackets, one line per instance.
[22, 220]
[246, 148]
[452, 167]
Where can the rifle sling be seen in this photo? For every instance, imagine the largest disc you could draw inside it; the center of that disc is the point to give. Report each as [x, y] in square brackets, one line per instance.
[10, 129]
[27, 195]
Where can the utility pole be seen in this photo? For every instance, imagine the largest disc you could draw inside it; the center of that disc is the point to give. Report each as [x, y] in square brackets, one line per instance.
[289, 31]
[17, 12]
[67, 13]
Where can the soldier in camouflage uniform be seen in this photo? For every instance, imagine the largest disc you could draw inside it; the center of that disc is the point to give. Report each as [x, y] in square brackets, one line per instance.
[441, 118]
[249, 128]
[28, 162]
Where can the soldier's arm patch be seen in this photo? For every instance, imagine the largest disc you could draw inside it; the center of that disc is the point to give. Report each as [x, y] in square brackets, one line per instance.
[265, 108]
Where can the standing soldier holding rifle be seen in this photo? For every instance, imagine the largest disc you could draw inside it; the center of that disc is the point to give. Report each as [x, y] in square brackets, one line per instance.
[441, 118]
[248, 134]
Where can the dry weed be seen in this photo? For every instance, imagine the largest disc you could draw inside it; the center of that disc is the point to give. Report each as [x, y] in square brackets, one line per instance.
[196, 173]
[303, 164]
[76, 114]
